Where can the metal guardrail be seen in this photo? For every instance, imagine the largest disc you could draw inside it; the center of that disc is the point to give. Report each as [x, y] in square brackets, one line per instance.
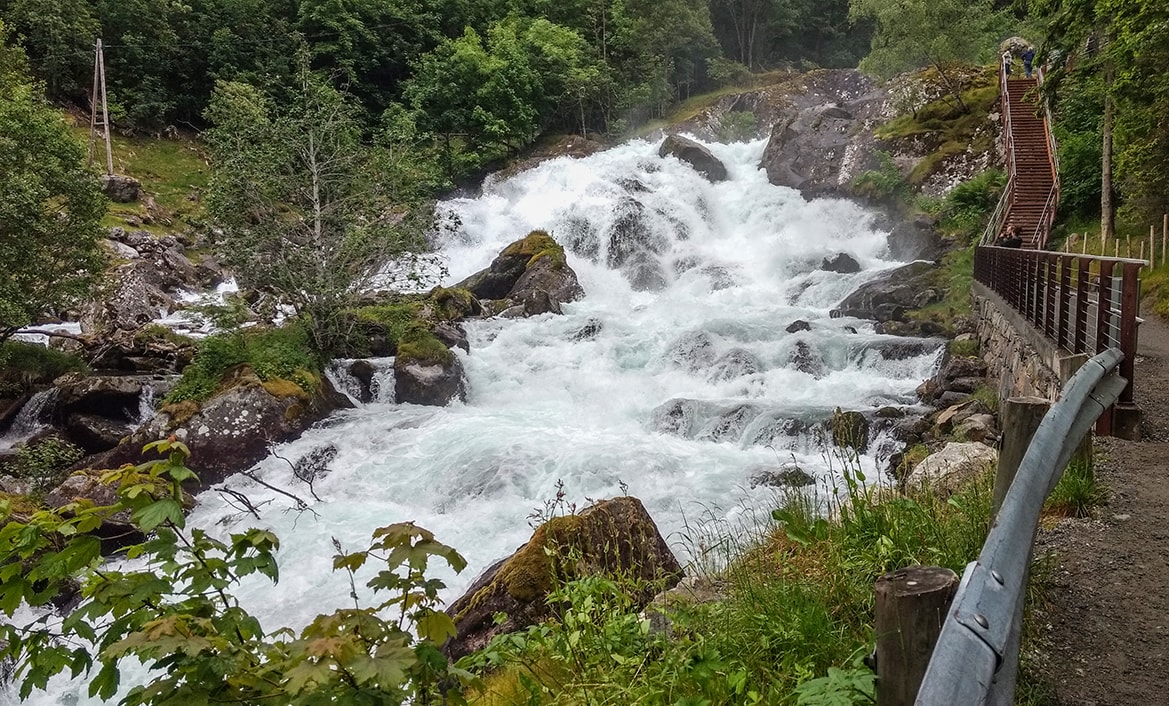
[1084, 304]
[975, 660]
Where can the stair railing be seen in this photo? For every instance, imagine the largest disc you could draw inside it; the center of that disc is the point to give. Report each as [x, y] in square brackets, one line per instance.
[995, 224]
[1048, 218]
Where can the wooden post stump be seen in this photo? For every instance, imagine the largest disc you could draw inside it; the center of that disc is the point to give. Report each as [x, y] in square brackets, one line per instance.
[1020, 418]
[911, 606]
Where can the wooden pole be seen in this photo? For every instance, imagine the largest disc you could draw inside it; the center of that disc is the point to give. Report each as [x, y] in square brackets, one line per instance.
[1020, 418]
[1152, 247]
[910, 608]
[1115, 247]
[93, 104]
[1084, 245]
[1164, 238]
[105, 117]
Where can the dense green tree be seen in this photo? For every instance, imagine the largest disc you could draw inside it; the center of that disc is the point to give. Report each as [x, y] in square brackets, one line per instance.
[306, 213]
[911, 34]
[50, 204]
[59, 38]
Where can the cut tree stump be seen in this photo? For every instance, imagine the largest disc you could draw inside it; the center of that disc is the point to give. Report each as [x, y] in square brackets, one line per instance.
[911, 605]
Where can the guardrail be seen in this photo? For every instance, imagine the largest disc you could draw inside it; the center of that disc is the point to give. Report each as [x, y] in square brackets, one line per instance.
[1084, 304]
[975, 659]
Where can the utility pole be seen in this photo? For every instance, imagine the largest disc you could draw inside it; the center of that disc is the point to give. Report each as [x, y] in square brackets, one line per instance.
[99, 83]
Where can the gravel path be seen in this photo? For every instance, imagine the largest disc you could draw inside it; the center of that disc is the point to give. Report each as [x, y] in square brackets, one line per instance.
[1106, 627]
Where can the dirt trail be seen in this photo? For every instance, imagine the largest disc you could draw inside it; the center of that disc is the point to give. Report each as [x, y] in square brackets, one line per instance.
[1107, 625]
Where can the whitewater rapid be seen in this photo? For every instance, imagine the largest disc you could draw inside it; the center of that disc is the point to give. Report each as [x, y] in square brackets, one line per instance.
[579, 398]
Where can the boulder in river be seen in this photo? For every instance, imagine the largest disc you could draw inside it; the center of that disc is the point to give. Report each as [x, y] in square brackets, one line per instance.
[841, 263]
[233, 430]
[694, 154]
[889, 296]
[615, 538]
[947, 469]
[535, 263]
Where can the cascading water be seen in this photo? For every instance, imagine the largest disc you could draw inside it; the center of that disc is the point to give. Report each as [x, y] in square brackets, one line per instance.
[675, 377]
[32, 418]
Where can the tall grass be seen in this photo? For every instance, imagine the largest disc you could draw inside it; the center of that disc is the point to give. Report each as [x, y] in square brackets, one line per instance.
[797, 593]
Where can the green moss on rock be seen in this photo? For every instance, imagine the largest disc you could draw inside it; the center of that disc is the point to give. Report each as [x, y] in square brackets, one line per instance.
[536, 245]
[453, 303]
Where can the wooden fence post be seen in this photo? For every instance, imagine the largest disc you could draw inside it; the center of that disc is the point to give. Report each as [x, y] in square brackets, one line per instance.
[1020, 418]
[911, 606]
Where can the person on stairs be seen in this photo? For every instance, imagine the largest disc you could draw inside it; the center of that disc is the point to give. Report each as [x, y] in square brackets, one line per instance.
[1007, 61]
[1028, 59]
[1010, 239]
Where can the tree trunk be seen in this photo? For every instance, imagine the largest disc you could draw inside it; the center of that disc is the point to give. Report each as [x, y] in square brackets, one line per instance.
[954, 90]
[1107, 211]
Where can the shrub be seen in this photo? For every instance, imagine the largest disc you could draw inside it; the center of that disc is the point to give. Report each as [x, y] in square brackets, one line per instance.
[44, 463]
[23, 365]
[968, 206]
[886, 183]
[278, 353]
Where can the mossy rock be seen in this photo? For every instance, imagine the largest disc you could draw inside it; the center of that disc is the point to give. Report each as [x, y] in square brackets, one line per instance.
[534, 246]
[850, 430]
[19, 505]
[453, 303]
[614, 538]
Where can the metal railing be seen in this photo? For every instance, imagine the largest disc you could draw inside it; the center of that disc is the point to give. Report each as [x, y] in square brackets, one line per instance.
[975, 659]
[1047, 217]
[1084, 304]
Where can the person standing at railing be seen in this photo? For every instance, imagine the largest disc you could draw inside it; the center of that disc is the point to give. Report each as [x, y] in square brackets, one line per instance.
[1028, 59]
[1007, 57]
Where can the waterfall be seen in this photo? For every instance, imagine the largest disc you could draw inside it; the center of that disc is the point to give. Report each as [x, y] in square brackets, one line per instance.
[32, 418]
[363, 380]
[680, 376]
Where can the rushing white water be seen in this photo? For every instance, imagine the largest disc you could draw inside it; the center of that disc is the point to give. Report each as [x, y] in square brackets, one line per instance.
[32, 418]
[678, 393]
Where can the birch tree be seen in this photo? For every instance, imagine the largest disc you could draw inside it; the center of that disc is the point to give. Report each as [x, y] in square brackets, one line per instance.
[304, 211]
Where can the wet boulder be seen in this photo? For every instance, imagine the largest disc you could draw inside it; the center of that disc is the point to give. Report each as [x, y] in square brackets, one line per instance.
[849, 430]
[697, 156]
[231, 431]
[788, 475]
[522, 270]
[806, 360]
[890, 295]
[841, 263]
[730, 424]
[428, 376]
[614, 538]
[798, 325]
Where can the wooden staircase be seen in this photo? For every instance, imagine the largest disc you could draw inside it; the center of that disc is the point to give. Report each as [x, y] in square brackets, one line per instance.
[1033, 192]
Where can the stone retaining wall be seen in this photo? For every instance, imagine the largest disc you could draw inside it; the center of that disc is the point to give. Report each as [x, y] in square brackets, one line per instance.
[1021, 361]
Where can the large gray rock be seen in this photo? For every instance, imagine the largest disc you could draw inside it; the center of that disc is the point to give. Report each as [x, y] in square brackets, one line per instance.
[614, 537]
[233, 430]
[434, 382]
[121, 188]
[694, 154]
[888, 297]
[131, 299]
[946, 470]
[821, 139]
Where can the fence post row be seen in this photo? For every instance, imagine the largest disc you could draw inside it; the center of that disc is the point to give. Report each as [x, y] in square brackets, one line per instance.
[973, 661]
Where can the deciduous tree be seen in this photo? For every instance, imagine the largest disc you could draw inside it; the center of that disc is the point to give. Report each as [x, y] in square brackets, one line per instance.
[50, 204]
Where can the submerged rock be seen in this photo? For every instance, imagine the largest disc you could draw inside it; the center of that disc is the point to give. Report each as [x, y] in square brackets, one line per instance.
[789, 475]
[614, 538]
[428, 380]
[522, 271]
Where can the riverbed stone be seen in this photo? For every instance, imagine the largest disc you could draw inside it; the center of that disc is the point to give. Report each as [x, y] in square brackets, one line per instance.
[946, 470]
[615, 537]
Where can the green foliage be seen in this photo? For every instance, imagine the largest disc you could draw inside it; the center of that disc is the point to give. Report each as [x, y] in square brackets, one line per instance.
[797, 607]
[45, 463]
[738, 126]
[964, 348]
[304, 212]
[969, 205]
[50, 204]
[987, 396]
[1077, 493]
[273, 354]
[883, 184]
[175, 612]
[23, 365]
